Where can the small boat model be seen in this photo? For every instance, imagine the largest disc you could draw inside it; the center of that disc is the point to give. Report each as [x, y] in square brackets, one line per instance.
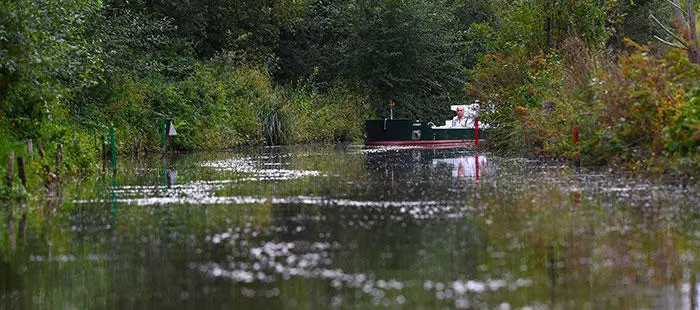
[408, 132]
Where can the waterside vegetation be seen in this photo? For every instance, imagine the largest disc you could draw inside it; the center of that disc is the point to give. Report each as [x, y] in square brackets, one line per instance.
[625, 74]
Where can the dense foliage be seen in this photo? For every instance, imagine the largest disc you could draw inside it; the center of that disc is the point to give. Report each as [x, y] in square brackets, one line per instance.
[233, 72]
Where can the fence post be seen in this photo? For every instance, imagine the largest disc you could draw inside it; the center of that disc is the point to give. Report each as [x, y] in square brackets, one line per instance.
[40, 148]
[59, 156]
[30, 148]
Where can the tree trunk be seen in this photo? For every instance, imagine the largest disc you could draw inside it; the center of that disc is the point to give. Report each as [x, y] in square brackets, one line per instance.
[687, 29]
[693, 45]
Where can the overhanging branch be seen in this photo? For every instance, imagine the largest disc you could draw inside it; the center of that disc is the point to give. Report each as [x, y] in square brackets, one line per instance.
[669, 43]
[670, 32]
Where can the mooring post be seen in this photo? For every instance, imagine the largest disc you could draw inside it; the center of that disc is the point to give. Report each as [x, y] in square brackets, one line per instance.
[30, 149]
[59, 161]
[10, 169]
[476, 131]
[40, 149]
[114, 148]
[20, 169]
[59, 156]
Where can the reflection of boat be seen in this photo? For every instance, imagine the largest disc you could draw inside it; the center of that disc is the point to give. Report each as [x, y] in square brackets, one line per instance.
[408, 132]
[465, 167]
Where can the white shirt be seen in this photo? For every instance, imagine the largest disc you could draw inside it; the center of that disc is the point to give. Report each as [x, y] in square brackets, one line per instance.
[459, 123]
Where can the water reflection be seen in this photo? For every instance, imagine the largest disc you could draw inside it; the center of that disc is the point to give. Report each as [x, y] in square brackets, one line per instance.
[472, 167]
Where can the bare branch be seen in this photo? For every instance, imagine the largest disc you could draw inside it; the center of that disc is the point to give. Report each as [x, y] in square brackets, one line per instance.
[677, 6]
[669, 43]
[669, 31]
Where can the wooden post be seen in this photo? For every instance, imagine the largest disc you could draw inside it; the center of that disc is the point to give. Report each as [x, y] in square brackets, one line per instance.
[20, 169]
[59, 156]
[40, 148]
[30, 148]
[10, 169]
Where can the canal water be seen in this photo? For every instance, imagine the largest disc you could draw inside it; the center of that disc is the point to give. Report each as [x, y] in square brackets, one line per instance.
[321, 227]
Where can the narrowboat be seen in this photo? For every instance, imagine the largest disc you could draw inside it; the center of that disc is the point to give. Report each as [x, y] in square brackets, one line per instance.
[409, 132]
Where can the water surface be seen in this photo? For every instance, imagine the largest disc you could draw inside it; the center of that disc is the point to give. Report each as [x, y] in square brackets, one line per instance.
[320, 227]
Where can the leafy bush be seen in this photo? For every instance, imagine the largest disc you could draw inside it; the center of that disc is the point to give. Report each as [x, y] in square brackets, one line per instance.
[643, 107]
[682, 136]
[510, 89]
[335, 115]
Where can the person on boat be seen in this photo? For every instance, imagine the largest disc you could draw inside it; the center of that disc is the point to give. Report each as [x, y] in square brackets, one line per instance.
[459, 120]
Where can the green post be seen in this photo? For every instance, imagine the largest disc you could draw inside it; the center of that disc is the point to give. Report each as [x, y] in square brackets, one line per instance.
[114, 148]
[162, 130]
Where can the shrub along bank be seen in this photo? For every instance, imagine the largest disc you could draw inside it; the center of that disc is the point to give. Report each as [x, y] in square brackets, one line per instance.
[640, 112]
[218, 106]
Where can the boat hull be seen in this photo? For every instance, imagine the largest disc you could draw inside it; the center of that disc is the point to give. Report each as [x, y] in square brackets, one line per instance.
[408, 132]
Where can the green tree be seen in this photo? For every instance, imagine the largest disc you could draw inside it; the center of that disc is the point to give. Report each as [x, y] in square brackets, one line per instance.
[49, 50]
[403, 50]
